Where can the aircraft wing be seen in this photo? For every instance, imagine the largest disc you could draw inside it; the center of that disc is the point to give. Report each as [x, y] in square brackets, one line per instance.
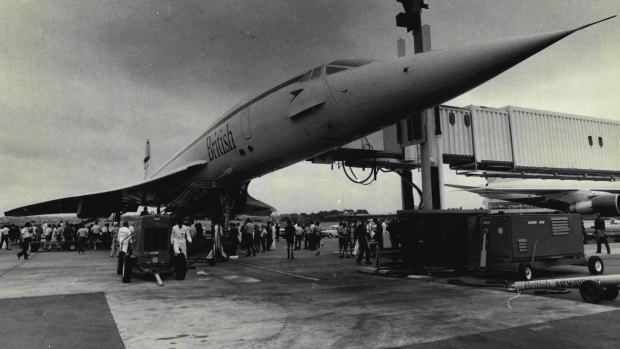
[256, 207]
[531, 191]
[125, 199]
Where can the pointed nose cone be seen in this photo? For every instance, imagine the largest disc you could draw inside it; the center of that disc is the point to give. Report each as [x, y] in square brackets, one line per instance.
[448, 73]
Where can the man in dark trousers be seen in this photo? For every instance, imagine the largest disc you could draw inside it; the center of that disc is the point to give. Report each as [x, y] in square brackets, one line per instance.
[362, 240]
[601, 237]
[289, 236]
[26, 237]
[248, 238]
[378, 233]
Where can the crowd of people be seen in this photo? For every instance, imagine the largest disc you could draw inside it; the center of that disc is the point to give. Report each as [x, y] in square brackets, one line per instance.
[50, 235]
[354, 238]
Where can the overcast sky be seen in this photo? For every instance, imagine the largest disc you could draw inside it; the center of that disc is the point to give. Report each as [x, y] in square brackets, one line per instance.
[84, 83]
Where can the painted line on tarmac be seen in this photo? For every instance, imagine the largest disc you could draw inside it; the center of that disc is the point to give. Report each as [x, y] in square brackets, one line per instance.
[15, 266]
[276, 271]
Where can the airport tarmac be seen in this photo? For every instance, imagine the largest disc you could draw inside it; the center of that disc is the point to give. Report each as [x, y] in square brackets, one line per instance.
[66, 300]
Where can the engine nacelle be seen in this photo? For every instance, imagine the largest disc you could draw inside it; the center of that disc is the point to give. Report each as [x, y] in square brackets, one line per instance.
[606, 205]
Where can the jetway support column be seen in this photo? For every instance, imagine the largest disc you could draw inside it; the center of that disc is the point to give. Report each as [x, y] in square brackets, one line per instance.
[433, 194]
[406, 177]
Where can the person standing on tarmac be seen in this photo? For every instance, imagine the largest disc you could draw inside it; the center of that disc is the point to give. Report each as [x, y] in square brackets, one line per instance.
[4, 234]
[114, 236]
[378, 234]
[289, 236]
[342, 240]
[124, 237]
[247, 238]
[316, 237]
[180, 233]
[26, 237]
[82, 237]
[362, 239]
[350, 244]
[601, 236]
[299, 231]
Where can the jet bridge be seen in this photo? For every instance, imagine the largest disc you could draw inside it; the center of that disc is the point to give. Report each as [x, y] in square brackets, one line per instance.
[527, 143]
[508, 142]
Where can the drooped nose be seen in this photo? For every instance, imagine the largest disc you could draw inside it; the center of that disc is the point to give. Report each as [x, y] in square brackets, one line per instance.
[444, 74]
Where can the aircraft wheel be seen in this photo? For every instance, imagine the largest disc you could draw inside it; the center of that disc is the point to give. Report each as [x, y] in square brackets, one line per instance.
[127, 269]
[212, 261]
[180, 267]
[610, 292]
[595, 265]
[119, 267]
[526, 273]
[591, 292]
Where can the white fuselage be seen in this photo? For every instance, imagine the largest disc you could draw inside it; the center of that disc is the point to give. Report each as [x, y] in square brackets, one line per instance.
[313, 113]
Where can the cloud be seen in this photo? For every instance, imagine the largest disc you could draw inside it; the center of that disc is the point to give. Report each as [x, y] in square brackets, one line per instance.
[85, 83]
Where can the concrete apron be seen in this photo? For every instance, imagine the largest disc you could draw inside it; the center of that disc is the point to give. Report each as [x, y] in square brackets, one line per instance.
[215, 306]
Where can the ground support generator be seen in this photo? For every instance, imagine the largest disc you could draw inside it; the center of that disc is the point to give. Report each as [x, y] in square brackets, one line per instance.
[150, 250]
[478, 240]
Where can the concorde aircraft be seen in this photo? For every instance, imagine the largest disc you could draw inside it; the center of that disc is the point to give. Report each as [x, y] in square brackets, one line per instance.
[310, 113]
[567, 199]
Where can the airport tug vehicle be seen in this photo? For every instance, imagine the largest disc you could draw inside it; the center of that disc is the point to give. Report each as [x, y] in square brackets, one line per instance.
[150, 251]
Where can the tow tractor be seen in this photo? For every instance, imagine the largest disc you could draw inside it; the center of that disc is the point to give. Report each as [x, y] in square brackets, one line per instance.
[150, 251]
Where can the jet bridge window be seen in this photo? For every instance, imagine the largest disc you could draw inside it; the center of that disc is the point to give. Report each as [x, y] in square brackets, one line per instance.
[590, 140]
[467, 120]
[452, 118]
[600, 142]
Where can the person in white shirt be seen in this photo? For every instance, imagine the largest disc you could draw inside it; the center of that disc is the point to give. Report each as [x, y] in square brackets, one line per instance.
[82, 237]
[299, 231]
[26, 237]
[114, 235]
[180, 233]
[47, 233]
[124, 237]
[4, 235]
[96, 233]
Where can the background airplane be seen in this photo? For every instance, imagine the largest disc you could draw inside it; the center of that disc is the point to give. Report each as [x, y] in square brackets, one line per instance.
[562, 196]
[310, 113]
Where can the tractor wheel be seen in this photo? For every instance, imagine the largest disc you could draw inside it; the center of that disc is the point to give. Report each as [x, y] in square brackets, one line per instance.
[591, 292]
[610, 292]
[127, 265]
[595, 265]
[526, 273]
[180, 267]
[119, 267]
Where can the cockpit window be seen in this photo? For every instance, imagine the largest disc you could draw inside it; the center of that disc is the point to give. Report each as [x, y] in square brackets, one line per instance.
[316, 72]
[333, 70]
[345, 64]
[306, 76]
[354, 63]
